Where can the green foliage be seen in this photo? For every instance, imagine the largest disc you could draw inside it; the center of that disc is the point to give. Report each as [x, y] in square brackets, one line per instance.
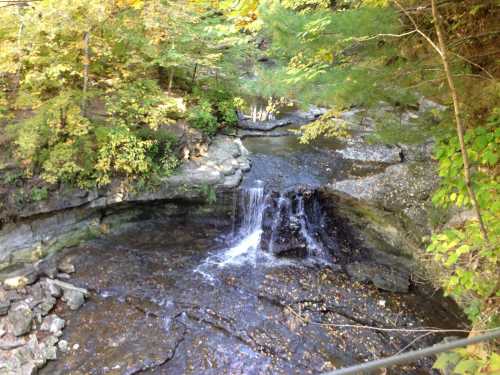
[4, 106]
[482, 144]
[12, 177]
[39, 194]
[471, 264]
[120, 152]
[56, 141]
[329, 126]
[467, 362]
[201, 117]
[210, 194]
[224, 105]
[142, 103]
[306, 4]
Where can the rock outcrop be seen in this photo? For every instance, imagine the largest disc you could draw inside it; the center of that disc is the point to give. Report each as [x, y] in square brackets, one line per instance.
[69, 216]
[30, 329]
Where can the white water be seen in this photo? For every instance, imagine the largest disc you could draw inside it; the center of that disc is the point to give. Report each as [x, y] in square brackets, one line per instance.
[246, 249]
[313, 247]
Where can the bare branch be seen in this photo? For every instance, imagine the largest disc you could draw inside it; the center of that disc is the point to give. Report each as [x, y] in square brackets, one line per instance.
[417, 29]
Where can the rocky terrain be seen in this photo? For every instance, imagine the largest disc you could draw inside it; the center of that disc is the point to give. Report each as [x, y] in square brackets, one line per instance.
[31, 329]
[69, 216]
[134, 281]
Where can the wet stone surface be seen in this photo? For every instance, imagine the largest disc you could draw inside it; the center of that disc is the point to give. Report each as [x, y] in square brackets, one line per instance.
[149, 311]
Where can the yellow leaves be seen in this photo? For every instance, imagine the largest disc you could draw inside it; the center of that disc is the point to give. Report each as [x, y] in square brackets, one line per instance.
[376, 3]
[135, 4]
[324, 55]
[328, 126]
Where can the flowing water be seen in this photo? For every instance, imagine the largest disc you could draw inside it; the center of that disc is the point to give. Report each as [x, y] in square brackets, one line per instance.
[261, 295]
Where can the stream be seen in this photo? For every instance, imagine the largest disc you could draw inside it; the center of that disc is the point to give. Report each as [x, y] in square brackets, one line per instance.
[263, 294]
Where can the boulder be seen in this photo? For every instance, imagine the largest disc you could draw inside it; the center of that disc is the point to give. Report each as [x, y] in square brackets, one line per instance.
[20, 318]
[52, 323]
[66, 266]
[402, 188]
[52, 289]
[73, 298]
[20, 278]
[63, 346]
[4, 306]
[382, 276]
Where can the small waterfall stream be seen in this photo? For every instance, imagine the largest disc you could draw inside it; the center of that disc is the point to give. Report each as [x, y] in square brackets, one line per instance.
[273, 227]
[253, 204]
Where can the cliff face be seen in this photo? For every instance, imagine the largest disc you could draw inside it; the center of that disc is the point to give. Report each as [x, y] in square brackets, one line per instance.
[70, 216]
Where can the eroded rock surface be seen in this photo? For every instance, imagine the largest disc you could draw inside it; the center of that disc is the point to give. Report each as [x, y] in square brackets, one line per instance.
[70, 216]
[30, 332]
[155, 314]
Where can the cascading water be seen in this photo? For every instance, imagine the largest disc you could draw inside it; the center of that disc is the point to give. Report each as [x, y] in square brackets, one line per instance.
[293, 225]
[248, 239]
[273, 227]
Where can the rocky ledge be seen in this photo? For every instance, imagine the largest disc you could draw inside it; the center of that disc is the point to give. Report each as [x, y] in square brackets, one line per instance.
[31, 329]
[70, 216]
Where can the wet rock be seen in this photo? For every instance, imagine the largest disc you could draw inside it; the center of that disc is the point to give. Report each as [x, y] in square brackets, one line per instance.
[45, 306]
[73, 298]
[66, 266]
[36, 353]
[383, 277]
[20, 318]
[28, 369]
[292, 224]
[53, 324]
[4, 306]
[48, 352]
[51, 340]
[52, 289]
[63, 346]
[403, 188]
[11, 344]
[47, 267]
[357, 149]
[20, 278]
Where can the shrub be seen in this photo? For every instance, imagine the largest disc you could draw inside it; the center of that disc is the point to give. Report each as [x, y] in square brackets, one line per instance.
[201, 117]
[121, 152]
[227, 112]
[52, 140]
[39, 194]
[63, 165]
[142, 104]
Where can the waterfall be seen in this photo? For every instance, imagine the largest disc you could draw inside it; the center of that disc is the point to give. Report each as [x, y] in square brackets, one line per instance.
[253, 203]
[314, 248]
[273, 227]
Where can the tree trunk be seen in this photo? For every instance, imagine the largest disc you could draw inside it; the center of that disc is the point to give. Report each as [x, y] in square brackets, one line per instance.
[170, 80]
[17, 79]
[194, 73]
[458, 116]
[86, 63]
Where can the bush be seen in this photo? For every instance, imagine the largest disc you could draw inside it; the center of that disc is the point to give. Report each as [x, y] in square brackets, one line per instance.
[227, 112]
[469, 263]
[121, 152]
[39, 194]
[142, 103]
[53, 140]
[65, 163]
[201, 117]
